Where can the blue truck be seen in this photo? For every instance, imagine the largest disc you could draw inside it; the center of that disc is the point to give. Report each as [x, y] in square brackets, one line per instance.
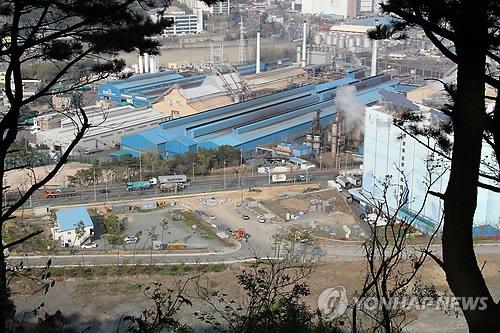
[138, 186]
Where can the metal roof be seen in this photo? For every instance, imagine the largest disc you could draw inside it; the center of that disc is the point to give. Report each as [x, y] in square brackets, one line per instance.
[69, 218]
[397, 99]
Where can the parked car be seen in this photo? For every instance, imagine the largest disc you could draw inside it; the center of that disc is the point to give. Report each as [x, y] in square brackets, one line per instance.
[261, 219]
[103, 190]
[131, 239]
[245, 217]
[89, 245]
[253, 189]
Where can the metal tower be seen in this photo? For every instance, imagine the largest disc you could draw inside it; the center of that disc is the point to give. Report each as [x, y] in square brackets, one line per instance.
[243, 43]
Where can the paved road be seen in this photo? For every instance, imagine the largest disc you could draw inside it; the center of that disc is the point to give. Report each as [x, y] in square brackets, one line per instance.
[199, 185]
[245, 253]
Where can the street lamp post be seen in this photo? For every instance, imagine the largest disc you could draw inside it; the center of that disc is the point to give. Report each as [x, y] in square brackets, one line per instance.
[95, 191]
[193, 170]
[140, 168]
[224, 173]
[320, 160]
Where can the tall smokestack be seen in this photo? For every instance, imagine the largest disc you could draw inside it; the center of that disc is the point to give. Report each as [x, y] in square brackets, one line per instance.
[257, 64]
[304, 46]
[146, 63]
[373, 70]
[152, 64]
[141, 65]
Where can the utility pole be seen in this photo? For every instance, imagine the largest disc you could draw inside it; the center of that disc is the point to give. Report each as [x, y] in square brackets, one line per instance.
[140, 168]
[224, 173]
[320, 159]
[193, 170]
[106, 189]
[345, 164]
[95, 191]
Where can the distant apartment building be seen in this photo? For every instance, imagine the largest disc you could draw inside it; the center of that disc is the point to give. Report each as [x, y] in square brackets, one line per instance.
[182, 23]
[389, 152]
[344, 8]
[297, 5]
[219, 8]
[365, 6]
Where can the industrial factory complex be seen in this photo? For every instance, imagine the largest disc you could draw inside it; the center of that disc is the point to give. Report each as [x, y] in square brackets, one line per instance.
[262, 120]
[298, 109]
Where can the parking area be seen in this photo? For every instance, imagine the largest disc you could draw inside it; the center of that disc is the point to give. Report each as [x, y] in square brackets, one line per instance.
[160, 226]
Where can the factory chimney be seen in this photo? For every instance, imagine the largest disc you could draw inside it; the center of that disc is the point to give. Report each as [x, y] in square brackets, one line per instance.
[146, 63]
[373, 70]
[257, 64]
[141, 65]
[153, 64]
[336, 132]
[304, 46]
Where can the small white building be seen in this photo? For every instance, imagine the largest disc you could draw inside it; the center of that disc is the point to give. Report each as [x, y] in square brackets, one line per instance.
[73, 226]
[182, 23]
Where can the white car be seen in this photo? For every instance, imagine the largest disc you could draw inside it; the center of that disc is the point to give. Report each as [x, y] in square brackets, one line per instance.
[131, 239]
[89, 245]
[261, 219]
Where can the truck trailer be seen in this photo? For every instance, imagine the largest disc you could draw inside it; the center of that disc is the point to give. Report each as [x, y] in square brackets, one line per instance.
[342, 181]
[172, 179]
[60, 192]
[138, 186]
[279, 178]
[169, 187]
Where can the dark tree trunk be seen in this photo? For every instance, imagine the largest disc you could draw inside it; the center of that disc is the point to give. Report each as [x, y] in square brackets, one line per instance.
[460, 264]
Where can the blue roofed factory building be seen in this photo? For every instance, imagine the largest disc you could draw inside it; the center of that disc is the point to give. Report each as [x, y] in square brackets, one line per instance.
[140, 90]
[73, 226]
[257, 121]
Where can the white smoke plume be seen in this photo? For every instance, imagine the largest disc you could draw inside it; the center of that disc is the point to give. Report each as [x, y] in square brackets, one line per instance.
[352, 109]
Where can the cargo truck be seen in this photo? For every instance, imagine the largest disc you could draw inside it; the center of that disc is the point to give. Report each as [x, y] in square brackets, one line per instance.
[168, 187]
[342, 181]
[356, 182]
[138, 186]
[279, 178]
[60, 192]
[172, 179]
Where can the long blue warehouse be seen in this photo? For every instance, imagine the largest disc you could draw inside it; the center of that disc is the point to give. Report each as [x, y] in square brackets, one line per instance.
[258, 121]
[140, 90]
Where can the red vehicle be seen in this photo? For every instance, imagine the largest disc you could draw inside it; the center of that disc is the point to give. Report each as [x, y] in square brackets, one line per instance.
[58, 193]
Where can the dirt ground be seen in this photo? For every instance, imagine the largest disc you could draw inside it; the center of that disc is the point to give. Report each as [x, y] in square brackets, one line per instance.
[22, 178]
[101, 302]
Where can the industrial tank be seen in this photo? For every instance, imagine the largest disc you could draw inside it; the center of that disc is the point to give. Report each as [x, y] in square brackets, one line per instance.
[341, 42]
[358, 41]
[329, 39]
[352, 43]
[317, 39]
[367, 42]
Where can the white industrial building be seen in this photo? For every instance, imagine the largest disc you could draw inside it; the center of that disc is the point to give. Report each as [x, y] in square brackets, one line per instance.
[182, 23]
[344, 8]
[73, 226]
[388, 151]
[110, 124]
[220, 8]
